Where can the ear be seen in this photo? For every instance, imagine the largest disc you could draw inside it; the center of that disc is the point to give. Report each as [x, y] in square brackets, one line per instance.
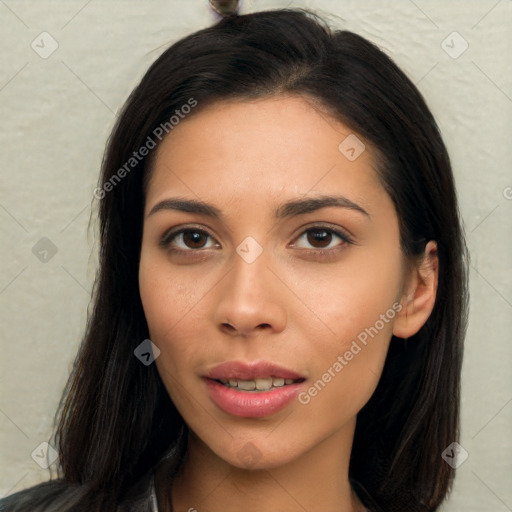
[419, 294]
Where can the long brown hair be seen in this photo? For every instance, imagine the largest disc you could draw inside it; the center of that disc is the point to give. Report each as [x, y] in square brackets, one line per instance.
[116, 419]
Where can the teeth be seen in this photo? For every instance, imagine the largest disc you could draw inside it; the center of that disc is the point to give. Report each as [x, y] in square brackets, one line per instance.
[263, 384]
[279, 382]
[246, 385]
[259, 384]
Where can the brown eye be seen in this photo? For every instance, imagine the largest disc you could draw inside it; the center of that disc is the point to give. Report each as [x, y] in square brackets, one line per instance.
[319, 236]
[186, 240]
[194, 239]
[322, 238]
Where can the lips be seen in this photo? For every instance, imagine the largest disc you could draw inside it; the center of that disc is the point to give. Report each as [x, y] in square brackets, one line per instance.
[250, 371]
[252, 390]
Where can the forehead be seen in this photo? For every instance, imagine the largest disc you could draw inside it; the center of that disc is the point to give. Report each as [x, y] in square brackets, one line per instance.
[241, 150]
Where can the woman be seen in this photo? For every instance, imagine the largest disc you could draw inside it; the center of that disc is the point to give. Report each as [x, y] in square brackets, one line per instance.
[281, 300]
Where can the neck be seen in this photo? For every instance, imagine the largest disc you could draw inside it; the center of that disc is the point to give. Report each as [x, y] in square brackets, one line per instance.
[315, 480]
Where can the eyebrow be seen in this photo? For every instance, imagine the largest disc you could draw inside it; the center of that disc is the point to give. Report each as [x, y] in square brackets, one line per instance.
[288, 209]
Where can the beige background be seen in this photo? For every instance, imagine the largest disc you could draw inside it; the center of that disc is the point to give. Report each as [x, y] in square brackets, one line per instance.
[58, 111]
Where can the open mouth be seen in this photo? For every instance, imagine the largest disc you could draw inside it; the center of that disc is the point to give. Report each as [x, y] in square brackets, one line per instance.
[252, 391]
[258, 384]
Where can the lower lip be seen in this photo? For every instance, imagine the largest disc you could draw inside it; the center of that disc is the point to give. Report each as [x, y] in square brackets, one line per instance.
[251, 404]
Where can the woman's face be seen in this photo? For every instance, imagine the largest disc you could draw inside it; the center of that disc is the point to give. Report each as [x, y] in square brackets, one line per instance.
[267, 275]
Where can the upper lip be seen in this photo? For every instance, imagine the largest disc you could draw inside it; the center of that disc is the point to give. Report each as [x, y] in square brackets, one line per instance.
[250, 371]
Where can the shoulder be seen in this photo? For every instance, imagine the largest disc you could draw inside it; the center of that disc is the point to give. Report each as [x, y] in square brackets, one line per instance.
[55, 495]
[61, 496]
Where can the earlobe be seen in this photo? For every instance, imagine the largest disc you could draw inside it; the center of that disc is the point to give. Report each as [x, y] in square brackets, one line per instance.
[419, 295]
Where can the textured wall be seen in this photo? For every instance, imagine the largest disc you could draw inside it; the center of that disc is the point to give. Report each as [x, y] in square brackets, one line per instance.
[58, 109]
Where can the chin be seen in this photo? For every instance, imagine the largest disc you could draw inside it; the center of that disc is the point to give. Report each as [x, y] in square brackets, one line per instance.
[256, 455]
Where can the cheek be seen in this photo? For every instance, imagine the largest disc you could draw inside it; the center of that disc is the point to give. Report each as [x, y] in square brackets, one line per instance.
[350, 332]
[342, 300]
[345, 369]
[173, 308]
[166, 294]
[164, 302]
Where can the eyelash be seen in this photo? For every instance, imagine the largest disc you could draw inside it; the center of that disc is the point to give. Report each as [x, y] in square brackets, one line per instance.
[168, 237]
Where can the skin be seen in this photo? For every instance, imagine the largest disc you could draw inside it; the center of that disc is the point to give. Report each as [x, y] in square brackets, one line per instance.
[205, 304]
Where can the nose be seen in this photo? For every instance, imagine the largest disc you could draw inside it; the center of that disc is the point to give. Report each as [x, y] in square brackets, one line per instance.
[250, 299]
